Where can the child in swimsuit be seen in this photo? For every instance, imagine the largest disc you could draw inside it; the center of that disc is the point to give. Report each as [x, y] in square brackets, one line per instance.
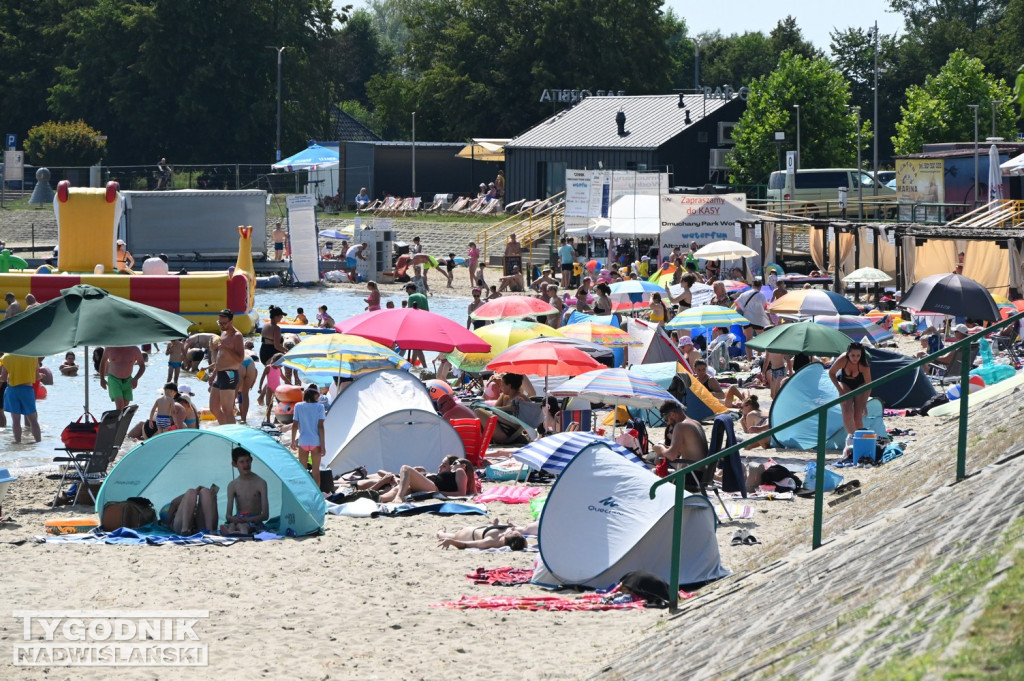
[269, 381]
[175, 352]
[165, 409]
[308, 425]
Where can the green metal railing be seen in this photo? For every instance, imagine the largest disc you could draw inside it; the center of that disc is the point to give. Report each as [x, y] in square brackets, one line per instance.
[964, 346]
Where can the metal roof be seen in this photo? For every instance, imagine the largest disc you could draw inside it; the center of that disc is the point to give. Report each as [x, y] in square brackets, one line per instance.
[651, 121]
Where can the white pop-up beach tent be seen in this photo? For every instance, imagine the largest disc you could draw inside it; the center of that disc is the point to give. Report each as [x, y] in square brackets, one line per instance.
[599, 523]
[385, 420]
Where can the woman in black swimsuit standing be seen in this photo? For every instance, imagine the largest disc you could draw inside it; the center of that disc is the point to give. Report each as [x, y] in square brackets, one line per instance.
[849, 372]
[271, 337]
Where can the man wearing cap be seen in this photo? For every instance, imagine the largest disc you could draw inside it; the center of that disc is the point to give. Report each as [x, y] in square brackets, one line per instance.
[960, 331]
[116, 373]
[226, 355]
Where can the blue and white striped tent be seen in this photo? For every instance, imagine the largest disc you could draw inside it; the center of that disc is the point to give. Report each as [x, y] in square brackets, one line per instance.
[553, 453]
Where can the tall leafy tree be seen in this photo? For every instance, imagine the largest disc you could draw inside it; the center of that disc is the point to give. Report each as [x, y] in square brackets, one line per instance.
[362, 55]
[739, 59]
[193, 80]
[938, 110]
[827, 126]
[853, 53]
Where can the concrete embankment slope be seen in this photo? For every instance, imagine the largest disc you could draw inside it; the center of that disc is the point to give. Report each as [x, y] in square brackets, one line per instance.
[905, 569]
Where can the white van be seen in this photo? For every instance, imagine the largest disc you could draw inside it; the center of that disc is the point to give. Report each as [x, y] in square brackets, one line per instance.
[822, 184]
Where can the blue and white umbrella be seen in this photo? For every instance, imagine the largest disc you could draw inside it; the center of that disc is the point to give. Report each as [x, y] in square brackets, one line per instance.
[335, 234]
[554, 452]
[634, 291]
[615, 386]
[311, 158]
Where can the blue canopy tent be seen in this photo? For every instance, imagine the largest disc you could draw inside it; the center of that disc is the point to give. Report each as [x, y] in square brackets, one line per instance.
[311, 158]
[167, 465]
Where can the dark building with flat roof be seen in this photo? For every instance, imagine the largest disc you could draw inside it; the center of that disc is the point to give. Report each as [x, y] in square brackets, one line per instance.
[686, 136]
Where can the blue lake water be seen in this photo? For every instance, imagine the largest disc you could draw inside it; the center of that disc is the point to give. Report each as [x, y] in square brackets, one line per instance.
[66, 397]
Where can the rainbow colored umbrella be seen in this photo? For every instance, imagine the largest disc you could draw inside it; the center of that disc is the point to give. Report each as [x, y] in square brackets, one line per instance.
[733, 286]
[813, 303]
[857, 328]
[323, 357]
[706, 315]
[602, 334]
[501, 336]
[615, 386]
[513, 307]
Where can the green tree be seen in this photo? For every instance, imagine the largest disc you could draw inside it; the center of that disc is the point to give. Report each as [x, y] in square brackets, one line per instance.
[938, 110]
[60, 144]
[854, 56]
[477, 67]
[738, 60]
[827, 126]
[362, 55]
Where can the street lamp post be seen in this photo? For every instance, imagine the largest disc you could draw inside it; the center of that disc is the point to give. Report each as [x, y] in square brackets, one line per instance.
[696, 64]
[860, 169]
[797, 107]
[975, 107]
[414, 152]
[874, 122]
[995, 103]
[280, 50]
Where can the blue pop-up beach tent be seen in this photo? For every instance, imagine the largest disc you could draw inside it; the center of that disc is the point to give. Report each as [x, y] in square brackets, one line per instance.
[167, 465]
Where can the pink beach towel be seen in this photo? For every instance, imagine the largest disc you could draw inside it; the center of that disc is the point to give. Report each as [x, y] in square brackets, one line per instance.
[551, 603]
[508, 494]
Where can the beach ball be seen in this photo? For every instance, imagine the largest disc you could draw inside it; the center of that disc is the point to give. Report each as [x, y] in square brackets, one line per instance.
[436, 388]
[592, 265]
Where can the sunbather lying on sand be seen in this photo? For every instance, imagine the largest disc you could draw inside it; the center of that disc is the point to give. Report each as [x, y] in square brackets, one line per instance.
[491, 536]
[454, 476]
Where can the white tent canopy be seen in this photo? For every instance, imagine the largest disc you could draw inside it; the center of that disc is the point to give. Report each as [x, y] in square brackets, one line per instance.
[599, 523]
[1013, 167]
[385, 420]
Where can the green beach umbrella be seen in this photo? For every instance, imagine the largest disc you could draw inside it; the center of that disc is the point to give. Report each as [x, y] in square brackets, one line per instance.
[84, 316]
[806, 337]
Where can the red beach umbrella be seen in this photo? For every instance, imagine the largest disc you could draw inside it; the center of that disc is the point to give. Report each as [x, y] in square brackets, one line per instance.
[513, 307]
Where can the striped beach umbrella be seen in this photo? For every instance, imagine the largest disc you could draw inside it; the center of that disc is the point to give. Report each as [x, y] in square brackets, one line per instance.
[634, 291]
[812, 303]
[323, 357]
[602, 334]
[706, 315]
[733, 286]
[554, 452]
[615, 386]
[857, 328]
[501, 336]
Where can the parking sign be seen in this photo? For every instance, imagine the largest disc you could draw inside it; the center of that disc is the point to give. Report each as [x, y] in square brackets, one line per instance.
[11, 141]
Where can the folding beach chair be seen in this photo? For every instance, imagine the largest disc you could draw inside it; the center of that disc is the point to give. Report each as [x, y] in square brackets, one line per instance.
[84, 467]
[946, 374]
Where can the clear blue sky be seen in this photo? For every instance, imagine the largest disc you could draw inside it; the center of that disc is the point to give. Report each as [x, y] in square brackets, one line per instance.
[816, 18]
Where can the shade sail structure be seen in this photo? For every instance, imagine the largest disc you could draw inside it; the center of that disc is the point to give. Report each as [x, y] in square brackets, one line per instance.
[803, 337]
[413, 329]
[313, 157]
[1013, 167]
[725, 250]
[323, 357]
[484, 149]
[951, 294]
[513, 307]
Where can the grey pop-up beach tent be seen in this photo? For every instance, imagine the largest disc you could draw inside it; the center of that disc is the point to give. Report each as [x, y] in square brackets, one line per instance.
[385, 420]
[599, 523]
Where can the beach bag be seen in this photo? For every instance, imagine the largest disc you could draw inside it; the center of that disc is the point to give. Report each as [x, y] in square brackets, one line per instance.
[81, 434]
[132, 513]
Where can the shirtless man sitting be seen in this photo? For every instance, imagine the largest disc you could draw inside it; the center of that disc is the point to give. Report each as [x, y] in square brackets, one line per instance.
[116, 373]
[687, 441]
[226, 355]
[247, 493]
[541, 285]
[492, 536]
[513, 282]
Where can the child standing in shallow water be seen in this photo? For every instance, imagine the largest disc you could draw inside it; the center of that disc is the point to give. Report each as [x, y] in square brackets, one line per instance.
[308, 423]
[175, 352]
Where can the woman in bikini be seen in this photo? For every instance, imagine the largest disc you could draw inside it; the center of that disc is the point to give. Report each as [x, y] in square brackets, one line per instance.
[685, 299]
[659, 313]
[849, 372]
[603, 304]
[454, 476]
[373, 299]
[753, 421]
[492, 536]
[271, 336]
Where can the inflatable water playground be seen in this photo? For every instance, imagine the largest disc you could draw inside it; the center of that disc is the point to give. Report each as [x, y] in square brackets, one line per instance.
[87, 221]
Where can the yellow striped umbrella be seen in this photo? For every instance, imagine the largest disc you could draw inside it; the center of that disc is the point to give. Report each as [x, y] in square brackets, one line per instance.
[501, 336]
